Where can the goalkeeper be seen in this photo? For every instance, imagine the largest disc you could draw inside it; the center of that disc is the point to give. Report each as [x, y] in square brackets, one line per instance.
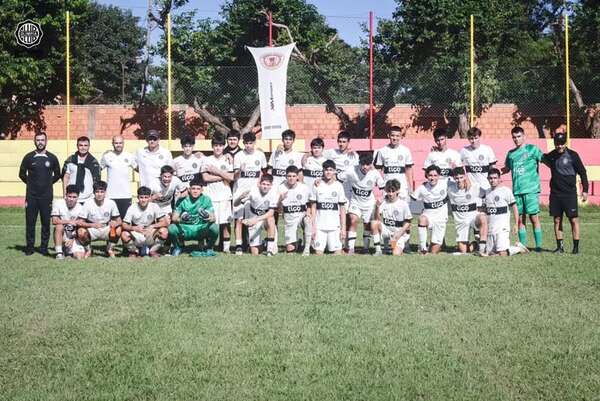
[193, 219]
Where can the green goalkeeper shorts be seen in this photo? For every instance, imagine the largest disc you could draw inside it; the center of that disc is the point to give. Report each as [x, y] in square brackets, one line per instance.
[528, 203]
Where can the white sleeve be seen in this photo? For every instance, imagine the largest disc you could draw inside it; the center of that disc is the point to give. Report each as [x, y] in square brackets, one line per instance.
[129, 214]
[406, 212]
[342, 195]
[457, 159]
[103, 160]
[236, 162]
[263, 160]
[510, 198]
[55, 208]
[272, 159]
[312, 196]
[491, 155]
[428, 162]
[380, 182]
[180, 186]
[409, 160]
[417, 194]
[133, 162]
[83, 213]
[114, 210]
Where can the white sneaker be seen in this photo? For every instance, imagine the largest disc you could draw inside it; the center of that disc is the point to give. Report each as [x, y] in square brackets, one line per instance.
[60, 256]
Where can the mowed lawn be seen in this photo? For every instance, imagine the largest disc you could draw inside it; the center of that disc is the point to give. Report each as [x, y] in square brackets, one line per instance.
[294, 328]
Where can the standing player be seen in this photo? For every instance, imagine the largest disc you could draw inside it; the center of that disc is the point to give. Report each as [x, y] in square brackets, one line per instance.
[343, 157]
[477, 159]
[82, 169]
[564, 165]
[217, 173]
[392, 220]
[65, 212]
[144, 226]
[168, 189]
[247, 166]
[99, 219]
[233, 147]
[312, 164]
[465, 201]
[284, 157]
[187, 166]
[328, 210]
[39, 171]
[294, 199]
[396, 162]
[442, 156]
[498, 202]
[363, 179]
[523, 163]
[434, 194]
[151, 158]
[261, 202]
[193, 218]
[117, 163]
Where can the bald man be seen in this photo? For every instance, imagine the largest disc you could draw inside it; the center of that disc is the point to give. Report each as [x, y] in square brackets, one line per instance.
[119, 166]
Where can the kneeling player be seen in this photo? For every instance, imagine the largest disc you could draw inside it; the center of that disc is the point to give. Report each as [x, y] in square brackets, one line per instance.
[392, 220]
[294, 198]
[144, 226]
[99, 219]
[363, 179]
[434, 194]
[465, 199]
[259, 212]
[328, 211]
[168, 190]
[194, 219]
[498, 200]
[64, 217]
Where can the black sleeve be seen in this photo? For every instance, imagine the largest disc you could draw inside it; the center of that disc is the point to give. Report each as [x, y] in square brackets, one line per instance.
[580, 169]
[23, 168]
[64, 169]
[95, 171]
[56, 175]
[546, 159]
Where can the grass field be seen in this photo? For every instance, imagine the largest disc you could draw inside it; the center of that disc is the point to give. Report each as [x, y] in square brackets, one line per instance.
[293, 328]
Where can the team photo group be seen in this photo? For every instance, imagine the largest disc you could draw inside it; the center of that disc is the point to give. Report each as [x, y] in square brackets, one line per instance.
[319, 199]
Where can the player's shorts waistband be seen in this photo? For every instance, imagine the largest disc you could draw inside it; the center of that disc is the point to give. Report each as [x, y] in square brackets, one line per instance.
[312, 173]
[435, 205]
[477, 169]
[327, 206]
[249, 174]
[394, 169]
[496, 210]
[294, 209]
[361, 192]
[464, 208]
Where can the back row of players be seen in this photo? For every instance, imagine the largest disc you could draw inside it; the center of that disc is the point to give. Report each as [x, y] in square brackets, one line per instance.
[324, 194]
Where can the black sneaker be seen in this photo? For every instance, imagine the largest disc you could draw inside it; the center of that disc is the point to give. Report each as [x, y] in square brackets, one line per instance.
[28, 251]
[44, 251]
[575, 251]
[559, 250]
[538, 249]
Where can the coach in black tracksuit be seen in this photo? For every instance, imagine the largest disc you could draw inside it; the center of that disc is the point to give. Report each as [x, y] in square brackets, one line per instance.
[564, 165]
[39, 170]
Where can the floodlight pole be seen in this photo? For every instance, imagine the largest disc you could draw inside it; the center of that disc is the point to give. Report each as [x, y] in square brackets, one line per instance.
[68, 78]
[371, 80]
[169, 95]
[472, 70]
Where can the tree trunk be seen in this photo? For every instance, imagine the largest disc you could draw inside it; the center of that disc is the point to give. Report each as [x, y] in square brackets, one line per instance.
[593, 122]
[463, 125]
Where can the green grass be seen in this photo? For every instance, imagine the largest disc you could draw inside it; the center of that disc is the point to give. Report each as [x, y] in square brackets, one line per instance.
[293, 328]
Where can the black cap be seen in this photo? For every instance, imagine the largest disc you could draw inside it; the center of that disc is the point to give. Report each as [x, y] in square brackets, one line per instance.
[152, 134]
[560, 138]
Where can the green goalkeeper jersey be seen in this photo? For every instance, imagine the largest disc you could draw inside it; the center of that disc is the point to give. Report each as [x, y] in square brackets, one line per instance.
[523, 164]
[191, 210]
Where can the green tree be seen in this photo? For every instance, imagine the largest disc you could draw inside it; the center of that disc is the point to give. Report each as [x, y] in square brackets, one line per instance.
[107, 44]
[214, 72]
[426, 45]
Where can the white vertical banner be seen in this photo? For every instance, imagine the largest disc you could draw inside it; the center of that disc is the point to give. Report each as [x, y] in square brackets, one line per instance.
[271, 63]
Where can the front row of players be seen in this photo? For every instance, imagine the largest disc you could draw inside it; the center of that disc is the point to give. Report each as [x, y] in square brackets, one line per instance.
[150, 227]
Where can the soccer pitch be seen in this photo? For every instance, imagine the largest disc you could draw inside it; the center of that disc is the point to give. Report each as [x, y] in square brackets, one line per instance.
[293, 328]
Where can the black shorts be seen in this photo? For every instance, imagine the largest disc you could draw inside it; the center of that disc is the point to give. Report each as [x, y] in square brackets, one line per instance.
[566, 204]
[123, 205]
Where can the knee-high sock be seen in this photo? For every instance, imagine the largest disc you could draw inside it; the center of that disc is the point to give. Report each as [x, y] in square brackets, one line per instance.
[523, 236]
[537, 235]
[422, 238]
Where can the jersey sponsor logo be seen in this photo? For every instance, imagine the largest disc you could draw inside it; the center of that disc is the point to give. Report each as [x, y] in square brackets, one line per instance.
[294, 209]
[187, 177]
[250, 174]
[475, 169]
[313, 173]
[464, 208]
[520, 170]
[496, 210]
[327, 206]
[361, 192]
[434, 205]
[279, 172]
[259, 211]
[392, 223]
[394, 170]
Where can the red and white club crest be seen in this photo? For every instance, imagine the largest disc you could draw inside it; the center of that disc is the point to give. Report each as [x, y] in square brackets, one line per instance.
[271, 61]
